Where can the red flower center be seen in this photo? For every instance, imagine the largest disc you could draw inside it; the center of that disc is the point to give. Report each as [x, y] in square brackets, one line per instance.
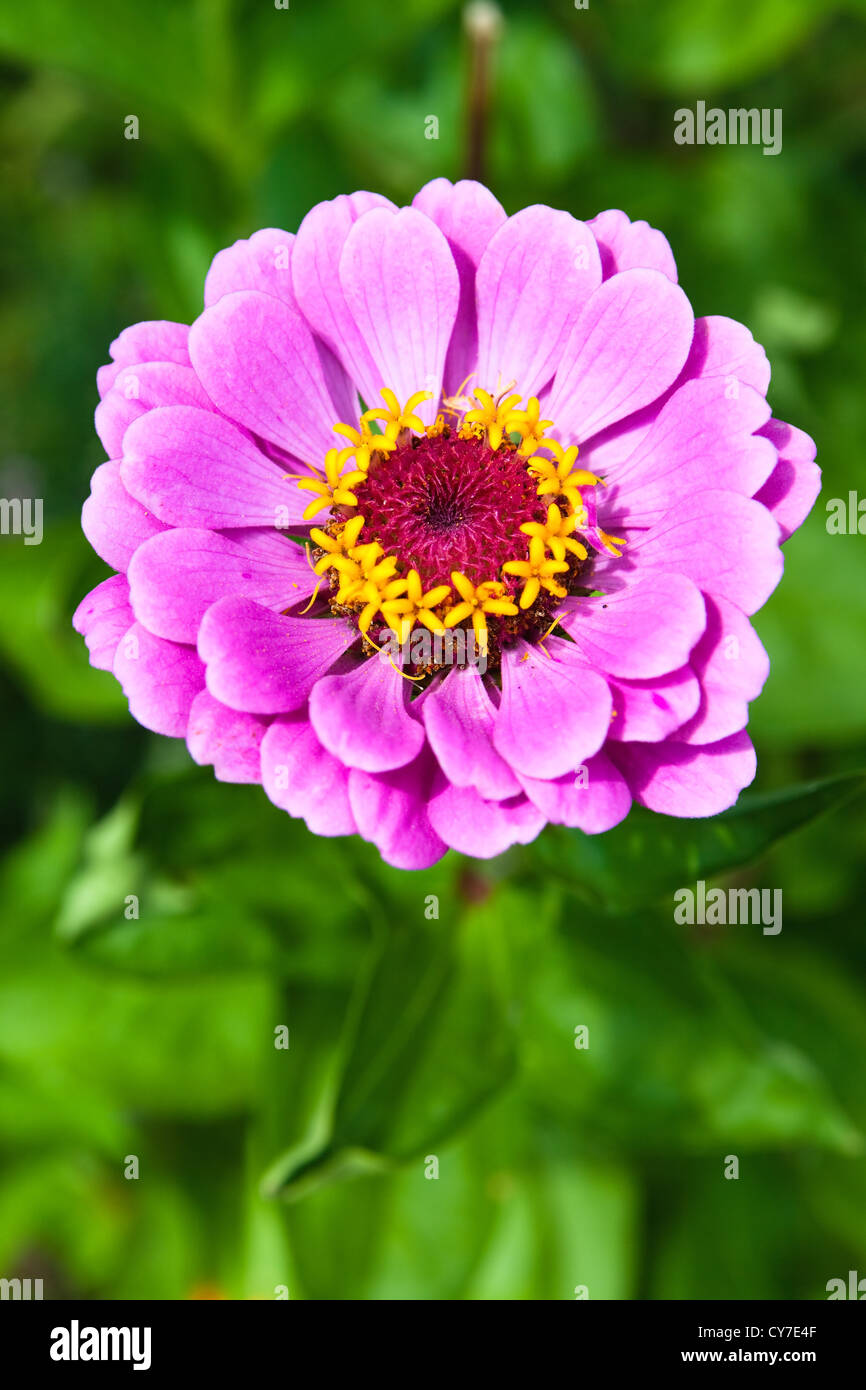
[443, 503]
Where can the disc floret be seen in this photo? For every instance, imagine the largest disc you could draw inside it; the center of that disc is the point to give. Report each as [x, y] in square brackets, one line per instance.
[465, 522]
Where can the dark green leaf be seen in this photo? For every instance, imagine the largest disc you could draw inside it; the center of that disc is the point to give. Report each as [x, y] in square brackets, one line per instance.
[649, 855]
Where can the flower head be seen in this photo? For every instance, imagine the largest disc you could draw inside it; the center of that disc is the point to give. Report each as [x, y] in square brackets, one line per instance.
[274, 529]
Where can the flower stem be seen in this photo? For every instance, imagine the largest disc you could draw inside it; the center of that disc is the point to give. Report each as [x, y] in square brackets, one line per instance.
[483, 24]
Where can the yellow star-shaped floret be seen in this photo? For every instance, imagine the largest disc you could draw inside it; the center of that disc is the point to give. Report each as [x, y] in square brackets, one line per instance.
[363, 573]
[537, 572]
[529, 426]
[492, 415]
[414, 606]
[556, 533]
[476, 601]
[335, 489]
[398, 418]
[335, 546]
[365, 443]
[559, 475]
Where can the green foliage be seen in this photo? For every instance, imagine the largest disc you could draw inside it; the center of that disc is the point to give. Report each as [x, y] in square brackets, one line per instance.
[506, 1080]
[648, 855]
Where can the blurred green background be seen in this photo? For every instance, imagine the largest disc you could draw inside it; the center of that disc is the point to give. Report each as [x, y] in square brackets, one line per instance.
[414, 1037]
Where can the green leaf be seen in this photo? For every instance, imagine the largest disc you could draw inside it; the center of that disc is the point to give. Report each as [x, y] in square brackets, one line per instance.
[165, 59]
[403, 1084]
[545, 116]
[649, 855]
[34, 875]
[678, 45]
[186, 876]
[638, 1033]
[565, 1226]
[176, 944]
[39, 588]
[814, 695]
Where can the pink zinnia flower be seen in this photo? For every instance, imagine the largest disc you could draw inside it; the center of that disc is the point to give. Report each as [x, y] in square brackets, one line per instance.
[550, 455]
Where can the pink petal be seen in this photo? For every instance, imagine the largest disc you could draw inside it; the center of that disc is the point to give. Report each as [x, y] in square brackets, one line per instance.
[264, 263]
[264, 663]
[648, 711]
[261, 263]
[194, 468]
[390, 809]
[536, 275]
[225, 739]
[466, 212]
[114, 523]
[159, 679]
[791, 489]
[732, 666]
[555, 711]
[720, 348]
[644, 630]
[175, 577]
[363, 718]
[626, 245]
[592, 798]
[102, 618]
[726, 543]
[315, 277]
[625, 350]
[258, 362]
[302, 778]
[468, 215]
[702, 438]
[471, 825]
[339, 384]
[677, 780]
[459, 716]
[723, 347]
[155, 340]
[402, 289]
[142, 388]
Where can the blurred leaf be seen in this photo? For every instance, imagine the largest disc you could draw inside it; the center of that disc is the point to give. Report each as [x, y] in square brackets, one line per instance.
[176, 882]
[544, 114]
[787, 320]
[191, 1049]
[134, 48]
[521, 1222]
[164, 57]
[702, 1250]
[67, 1208]
[176, 944]
[648, 855]
[37, 591]
[563, 1228]
[38, 1109]
[166, 1240]
[673, 1056]
[806, 627]
[394, 133]
[403, 1085]
[679, 45]
[34, 874]
[816, 1005]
